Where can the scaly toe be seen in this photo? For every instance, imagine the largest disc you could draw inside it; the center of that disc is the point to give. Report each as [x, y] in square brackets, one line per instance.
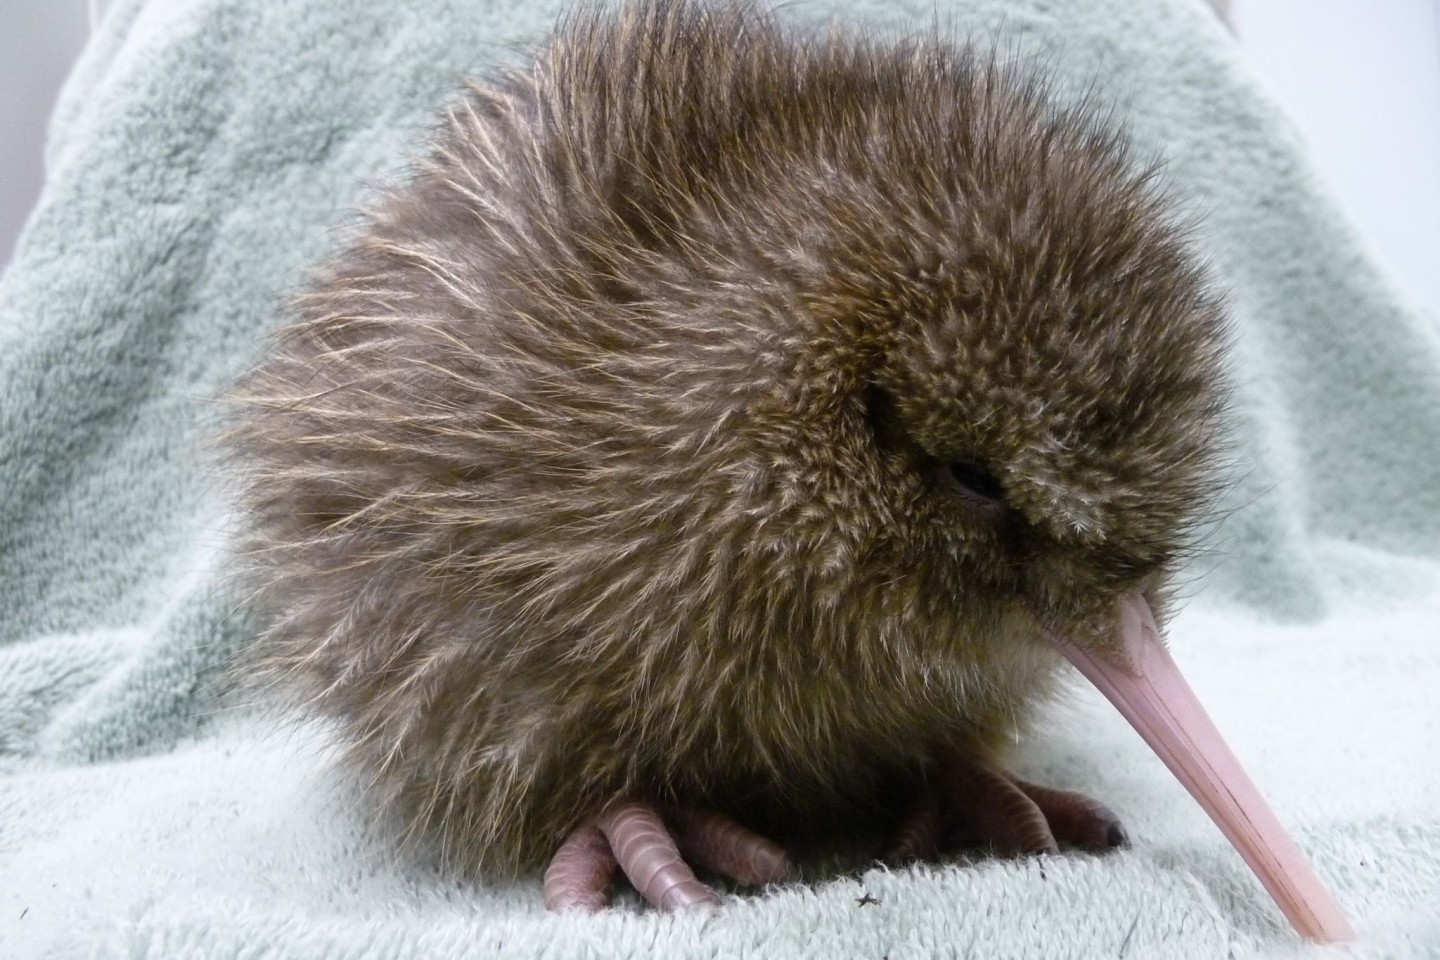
[718, 843]
[1077, 820]
[580, 872]
[921, 832]
[998, 813]
[649, 857]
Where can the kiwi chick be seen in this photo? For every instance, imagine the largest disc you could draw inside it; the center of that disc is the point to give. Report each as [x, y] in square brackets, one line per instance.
[716, 426]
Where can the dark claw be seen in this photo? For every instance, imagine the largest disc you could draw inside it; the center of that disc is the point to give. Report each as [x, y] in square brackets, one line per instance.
[1076, 819]
[986, 808]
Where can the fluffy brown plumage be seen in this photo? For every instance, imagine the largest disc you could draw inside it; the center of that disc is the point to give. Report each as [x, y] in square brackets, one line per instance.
[712, 417]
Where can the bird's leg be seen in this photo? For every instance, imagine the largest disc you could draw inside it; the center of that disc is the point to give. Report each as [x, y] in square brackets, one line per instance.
[997, 811]
[921, 832]
[1076, 819]
[580, 871]
[720, 844]
[1012, 817]
[634, 837]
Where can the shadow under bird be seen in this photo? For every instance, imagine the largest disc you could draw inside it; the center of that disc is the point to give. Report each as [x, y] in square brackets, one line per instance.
[728, 429]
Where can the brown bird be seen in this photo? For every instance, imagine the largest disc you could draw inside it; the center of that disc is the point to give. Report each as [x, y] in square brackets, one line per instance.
[727, 424]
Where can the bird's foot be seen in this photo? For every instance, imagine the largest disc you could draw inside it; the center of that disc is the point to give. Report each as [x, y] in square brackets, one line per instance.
[653, 852]
[980, 807]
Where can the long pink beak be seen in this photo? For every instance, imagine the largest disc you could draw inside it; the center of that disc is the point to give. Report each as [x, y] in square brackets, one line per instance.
[1147, 688]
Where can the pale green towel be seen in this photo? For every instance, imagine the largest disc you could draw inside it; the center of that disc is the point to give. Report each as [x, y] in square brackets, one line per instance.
[198, 159]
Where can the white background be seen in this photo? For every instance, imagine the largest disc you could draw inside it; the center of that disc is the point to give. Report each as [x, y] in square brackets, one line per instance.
[1361, 79]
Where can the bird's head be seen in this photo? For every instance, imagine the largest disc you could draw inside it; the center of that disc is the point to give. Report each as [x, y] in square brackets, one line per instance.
[1047, 406]
[1018, 379]
[1016, 369]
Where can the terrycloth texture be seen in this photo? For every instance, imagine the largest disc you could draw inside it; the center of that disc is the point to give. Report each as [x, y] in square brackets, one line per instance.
[198, 158]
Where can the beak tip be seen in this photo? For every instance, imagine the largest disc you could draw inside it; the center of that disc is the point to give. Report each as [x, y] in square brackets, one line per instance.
[1141, 680]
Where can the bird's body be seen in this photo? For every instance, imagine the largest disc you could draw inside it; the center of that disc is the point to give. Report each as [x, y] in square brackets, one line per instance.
[717, 417]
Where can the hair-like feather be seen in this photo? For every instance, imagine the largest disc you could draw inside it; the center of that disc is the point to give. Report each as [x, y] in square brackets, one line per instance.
[710, 416]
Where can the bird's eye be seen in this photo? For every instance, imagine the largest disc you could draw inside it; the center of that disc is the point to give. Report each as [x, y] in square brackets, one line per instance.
[975, 480]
